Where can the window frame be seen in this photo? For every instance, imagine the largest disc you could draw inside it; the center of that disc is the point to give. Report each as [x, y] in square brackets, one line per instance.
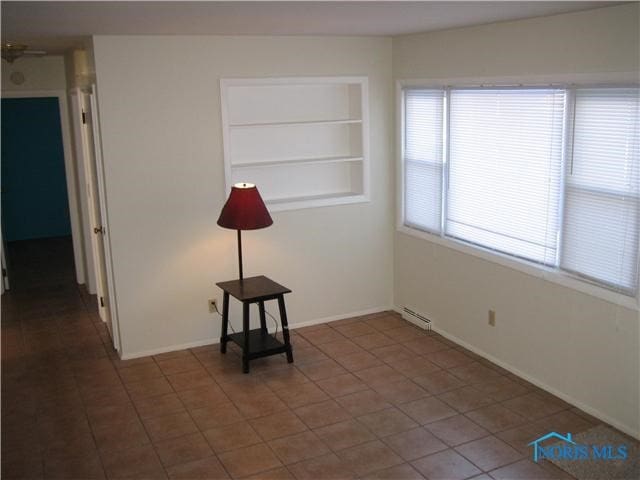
[555, 275]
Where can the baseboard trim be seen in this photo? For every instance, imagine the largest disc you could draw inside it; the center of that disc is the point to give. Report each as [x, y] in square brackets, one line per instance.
[214, 341]
[334, 318]
[567, 398]
[169, 348]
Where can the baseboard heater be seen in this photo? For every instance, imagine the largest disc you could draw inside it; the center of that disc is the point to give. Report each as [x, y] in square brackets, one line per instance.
[416, 318]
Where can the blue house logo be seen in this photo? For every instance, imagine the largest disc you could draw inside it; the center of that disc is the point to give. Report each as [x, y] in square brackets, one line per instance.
[564, 448]
[538, 450]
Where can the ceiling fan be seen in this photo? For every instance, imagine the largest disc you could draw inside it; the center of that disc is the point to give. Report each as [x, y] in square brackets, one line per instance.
[11, 51]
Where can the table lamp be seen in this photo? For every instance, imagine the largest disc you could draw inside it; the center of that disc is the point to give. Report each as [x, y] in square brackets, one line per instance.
[244, 210]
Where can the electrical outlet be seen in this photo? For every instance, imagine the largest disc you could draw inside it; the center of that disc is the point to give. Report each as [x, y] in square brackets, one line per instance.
[492, 318]
[213, 305]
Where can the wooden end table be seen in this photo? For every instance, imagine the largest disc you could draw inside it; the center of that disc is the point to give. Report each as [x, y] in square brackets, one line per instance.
[255, 343]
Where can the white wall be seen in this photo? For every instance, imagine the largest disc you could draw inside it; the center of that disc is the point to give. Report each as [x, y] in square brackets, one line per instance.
[162, 144]
[40, 73]
[583, 348]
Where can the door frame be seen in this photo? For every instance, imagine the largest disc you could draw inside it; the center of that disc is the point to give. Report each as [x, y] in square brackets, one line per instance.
[70, 174]
[92, 97]
[79, 155]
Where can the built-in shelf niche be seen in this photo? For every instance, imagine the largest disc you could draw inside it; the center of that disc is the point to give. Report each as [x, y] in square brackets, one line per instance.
[302, 141]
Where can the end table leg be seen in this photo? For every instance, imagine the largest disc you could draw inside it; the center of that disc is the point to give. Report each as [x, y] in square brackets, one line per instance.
[285, 328]
[245, 327]
[225, 323]
[263, 318]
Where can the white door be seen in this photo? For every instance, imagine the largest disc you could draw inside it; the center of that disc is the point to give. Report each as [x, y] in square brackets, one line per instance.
[100, 232]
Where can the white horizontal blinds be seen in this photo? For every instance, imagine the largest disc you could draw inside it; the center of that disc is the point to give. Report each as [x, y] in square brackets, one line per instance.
[602, 209]
[423, 158]
[504, 169]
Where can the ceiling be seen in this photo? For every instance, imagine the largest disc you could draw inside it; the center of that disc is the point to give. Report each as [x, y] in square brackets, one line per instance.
[58, 26]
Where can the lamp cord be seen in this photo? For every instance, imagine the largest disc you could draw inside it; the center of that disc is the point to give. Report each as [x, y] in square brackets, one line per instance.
[229, 323]
[275, 322]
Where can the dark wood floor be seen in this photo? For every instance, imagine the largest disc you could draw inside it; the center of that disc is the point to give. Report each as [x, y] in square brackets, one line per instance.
[369, 397]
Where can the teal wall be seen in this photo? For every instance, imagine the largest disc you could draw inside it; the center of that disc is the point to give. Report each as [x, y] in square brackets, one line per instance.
[34, 188]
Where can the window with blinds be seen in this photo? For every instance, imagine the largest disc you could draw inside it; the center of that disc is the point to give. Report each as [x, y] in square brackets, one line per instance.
[600, 238]
[423, 158]
[504, 170]
[550, 175]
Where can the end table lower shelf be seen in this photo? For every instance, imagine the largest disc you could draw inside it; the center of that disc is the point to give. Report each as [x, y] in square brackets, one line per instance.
[261, 343]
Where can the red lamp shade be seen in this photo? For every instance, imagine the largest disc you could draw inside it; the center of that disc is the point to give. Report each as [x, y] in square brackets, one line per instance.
[244, 209]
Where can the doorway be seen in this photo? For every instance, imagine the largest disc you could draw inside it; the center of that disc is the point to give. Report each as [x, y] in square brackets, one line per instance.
[38, 188]
[34, 187]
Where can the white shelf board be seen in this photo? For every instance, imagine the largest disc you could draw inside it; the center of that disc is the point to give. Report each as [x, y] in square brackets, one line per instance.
[312, 201]
[302, 161]
[290, 124]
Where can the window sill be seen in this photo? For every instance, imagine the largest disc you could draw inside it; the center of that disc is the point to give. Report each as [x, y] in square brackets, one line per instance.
[538, 271]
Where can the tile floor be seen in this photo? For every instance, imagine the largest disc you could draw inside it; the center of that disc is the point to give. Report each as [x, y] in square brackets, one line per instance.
[370, 397]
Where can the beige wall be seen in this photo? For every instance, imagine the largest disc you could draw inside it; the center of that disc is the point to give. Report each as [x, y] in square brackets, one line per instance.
[601, 40]
[40, 73]
[162, 144]
[577, 345]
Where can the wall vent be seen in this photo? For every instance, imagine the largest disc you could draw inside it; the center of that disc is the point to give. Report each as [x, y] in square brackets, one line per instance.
[416, 318]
